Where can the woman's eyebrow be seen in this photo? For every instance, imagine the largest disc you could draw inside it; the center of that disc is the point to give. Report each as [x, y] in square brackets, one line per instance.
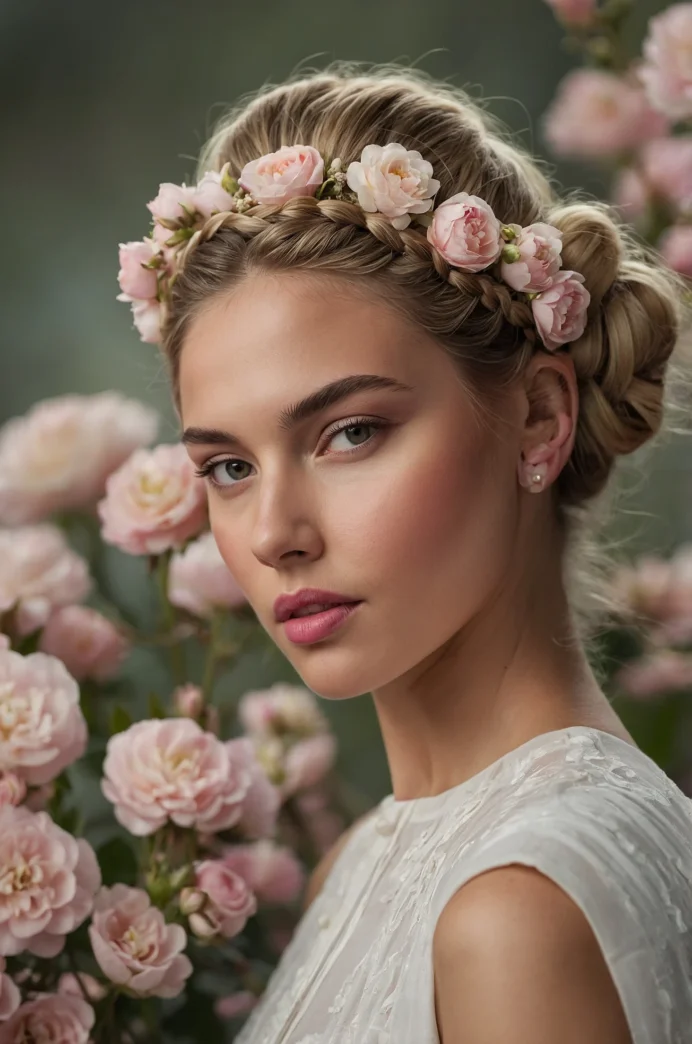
[293, 415]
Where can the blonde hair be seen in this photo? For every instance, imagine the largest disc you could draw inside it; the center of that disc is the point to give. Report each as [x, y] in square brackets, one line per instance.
[634, 316]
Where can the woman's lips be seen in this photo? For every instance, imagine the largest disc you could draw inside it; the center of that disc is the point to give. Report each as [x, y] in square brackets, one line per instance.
[303, 630]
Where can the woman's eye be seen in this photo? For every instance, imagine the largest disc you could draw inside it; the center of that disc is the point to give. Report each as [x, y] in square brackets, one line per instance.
[355, 430]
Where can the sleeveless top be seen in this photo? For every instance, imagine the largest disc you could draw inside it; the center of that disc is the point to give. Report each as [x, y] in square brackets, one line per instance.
[587, 809]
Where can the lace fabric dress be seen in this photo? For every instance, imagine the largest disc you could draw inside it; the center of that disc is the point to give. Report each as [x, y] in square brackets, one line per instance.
[589, 810]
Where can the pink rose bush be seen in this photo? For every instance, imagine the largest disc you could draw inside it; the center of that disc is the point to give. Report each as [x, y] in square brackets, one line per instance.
[134, 946]
[53, 1018]
[291, 171]
[676, 246]
[394, 181]
[42, 728]
[667, 70]
[227, 901]
[171, 769]
[598, 114]
[154, 502]
[48, 883]
[272, 872]
[39, 572]
[200, 581]
[58, 456]
[12, 788]
[88, 644]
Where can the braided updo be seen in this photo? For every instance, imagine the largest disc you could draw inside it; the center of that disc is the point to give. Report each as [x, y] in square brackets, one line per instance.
[633, 318]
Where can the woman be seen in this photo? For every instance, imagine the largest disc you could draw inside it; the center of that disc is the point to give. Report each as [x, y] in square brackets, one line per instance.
[406, 371]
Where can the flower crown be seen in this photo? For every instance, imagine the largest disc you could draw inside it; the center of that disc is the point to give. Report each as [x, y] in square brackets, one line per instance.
[389, 180]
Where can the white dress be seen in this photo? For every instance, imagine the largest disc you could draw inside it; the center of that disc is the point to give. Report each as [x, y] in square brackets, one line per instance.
[589, 810]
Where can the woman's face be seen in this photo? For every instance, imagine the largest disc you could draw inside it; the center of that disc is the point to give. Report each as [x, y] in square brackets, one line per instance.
[411, 507]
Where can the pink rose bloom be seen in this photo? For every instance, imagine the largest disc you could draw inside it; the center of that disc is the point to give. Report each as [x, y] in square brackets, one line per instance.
[262, 799]
[308, 762]
[200, 581]
[596, 113]
[466, 233]
[282, 708]
[229, 901]
[188, 700]
[52, 1018]
[540, 248]
[291, 171]
[48, 883]
[676, 246]
[631, 194]
[147, 317]
[58, 456]
[10, 997]
[667, 167]
[210, 197]
[393, 181]
[574, 12]
[173, 202]
[656, 674]
[88, 644]
[272, 871]
[171, 769]
[12, 788]
[133, 945]
[38, 573]
[135, 279]
[667, 70]
[42, 729]
[560, 311]
[153, 502]
[69, 984]
[235, 1004]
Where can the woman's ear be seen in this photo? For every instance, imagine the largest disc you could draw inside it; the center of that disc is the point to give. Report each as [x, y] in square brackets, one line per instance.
[552, 406]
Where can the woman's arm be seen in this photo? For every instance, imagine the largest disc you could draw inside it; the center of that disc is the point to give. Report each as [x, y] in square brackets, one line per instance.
[516, 961]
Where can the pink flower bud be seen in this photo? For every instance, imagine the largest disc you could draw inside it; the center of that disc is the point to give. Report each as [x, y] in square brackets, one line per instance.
[574, 12]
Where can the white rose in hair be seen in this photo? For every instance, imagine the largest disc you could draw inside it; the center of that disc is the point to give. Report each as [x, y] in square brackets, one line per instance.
[393, 181]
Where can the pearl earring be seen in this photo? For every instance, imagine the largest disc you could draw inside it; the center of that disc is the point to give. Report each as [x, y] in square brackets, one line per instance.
[535, 474]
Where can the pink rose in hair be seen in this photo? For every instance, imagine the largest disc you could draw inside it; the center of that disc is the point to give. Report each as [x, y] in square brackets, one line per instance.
[10, 997]
[38, 572]
[210, 197]
[12, 788]
[88, 644]
[596, 113]
[133, 945]
[539, 248]
[667, 70]
[52, 879]
[466, 233]
[173, 202]
[43, 726]
[52, 1018]
[146, 316]
[574, 12]
[171, 768]
[291, 171]
[200, 581]
[272, 871]
[676, 247]
[58, 455]
[153, 502]
[393, 181]
[229, 901]
[560, 311]
[136, 280]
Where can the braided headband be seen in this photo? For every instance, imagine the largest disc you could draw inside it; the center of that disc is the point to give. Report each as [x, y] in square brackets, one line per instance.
[392, 181]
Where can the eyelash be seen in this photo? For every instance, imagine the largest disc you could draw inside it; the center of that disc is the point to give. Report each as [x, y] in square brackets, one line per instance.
[205, 471]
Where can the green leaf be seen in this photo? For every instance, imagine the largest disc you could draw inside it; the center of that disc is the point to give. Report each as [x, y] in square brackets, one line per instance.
[121, 719]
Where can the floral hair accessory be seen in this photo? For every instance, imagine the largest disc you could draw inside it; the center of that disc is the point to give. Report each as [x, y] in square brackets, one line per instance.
[389, 180]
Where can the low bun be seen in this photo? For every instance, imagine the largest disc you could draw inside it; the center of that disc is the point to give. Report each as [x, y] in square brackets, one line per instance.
[620, 360]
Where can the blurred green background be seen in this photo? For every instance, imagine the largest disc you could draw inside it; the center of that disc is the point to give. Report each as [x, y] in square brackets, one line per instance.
[102, 102]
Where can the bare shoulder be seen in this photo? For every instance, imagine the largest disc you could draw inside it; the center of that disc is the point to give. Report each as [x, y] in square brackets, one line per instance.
[319, 874]
[516, 960]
